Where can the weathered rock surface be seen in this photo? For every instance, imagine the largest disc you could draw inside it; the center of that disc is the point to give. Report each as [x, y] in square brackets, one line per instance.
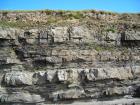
[77, 56]
[73, 93]
[16, 78]
[108, 73]
[20, 97]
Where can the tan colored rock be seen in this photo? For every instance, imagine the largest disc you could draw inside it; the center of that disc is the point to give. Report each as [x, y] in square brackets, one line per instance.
[19, 97]
[73, 93]
[108, 73]
[60, 34]
[8, 33]
[53, 59]
[39, 78]
[16, 78]
[115, 91]
[32, 37]
[62, 75]
[51, 76]
[136, 71]
[80, 34]
[73, 76]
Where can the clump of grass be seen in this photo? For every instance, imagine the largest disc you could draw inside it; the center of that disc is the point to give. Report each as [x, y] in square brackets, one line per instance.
[72, 15]
[98, 47]
[77, 15]
[4, 13]
[104, 48]
[111, 30]
[40, 69]
[51, 20]
[17, 24]
[48, 12]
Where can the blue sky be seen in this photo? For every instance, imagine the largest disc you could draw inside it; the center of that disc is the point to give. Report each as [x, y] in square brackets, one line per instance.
[110, 5]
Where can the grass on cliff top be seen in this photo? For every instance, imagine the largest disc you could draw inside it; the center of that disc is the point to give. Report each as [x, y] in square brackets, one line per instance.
[60, 17]
[53, 17]
[15, 24]
[47, 11]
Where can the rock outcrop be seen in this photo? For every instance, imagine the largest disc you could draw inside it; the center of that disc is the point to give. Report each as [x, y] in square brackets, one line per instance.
[81, 56]
[16, 78]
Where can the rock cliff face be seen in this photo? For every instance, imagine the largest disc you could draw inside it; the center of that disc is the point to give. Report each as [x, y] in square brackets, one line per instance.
[57, 56]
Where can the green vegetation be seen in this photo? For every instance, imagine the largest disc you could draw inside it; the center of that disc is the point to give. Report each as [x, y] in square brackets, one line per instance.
[101, 47]
[111, 30]
[98, 47]
[52, 17]
[17, 24]
[4, 13]
[74, 15]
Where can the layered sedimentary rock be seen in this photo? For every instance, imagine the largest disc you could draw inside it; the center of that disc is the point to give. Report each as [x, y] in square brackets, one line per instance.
[47, 63]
